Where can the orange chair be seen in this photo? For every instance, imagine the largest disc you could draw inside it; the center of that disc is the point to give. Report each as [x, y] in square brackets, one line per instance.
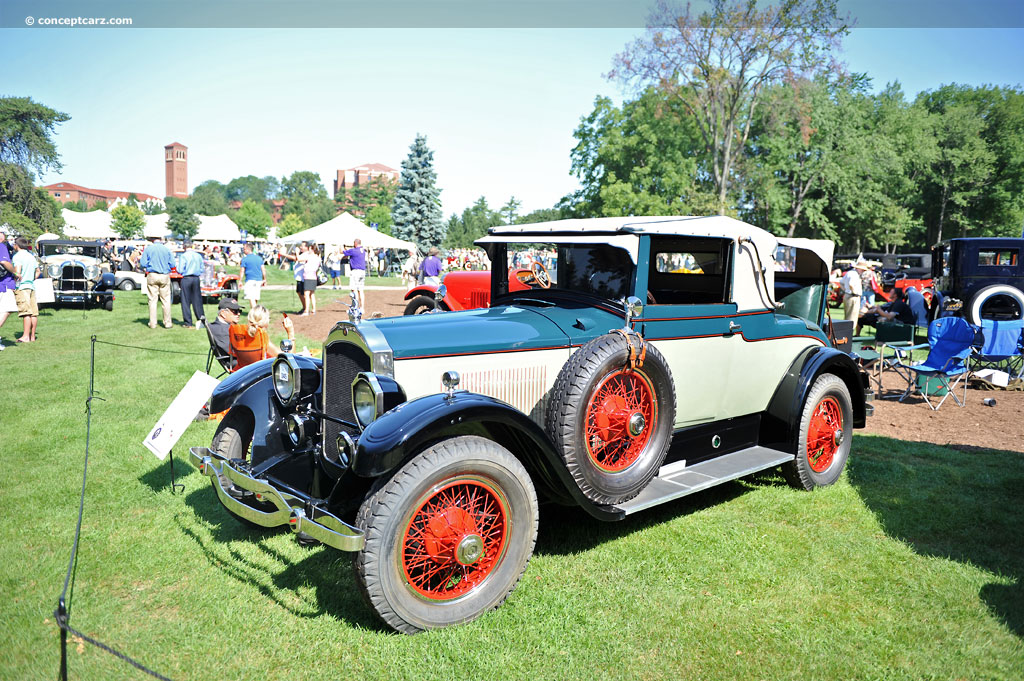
[244, 348]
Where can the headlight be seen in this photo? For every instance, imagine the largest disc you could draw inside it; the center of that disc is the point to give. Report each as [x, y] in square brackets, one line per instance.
[53, 269]
[367, 399]
[286, 383]
[92, 272]
[299, 427]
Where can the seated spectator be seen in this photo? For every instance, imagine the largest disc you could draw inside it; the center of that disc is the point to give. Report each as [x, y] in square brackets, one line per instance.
[250, 343]
[897, 310]
[228, 313]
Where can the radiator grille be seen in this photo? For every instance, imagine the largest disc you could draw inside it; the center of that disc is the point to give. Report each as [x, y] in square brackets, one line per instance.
[524, 388]
[479, 298]
[342, 361]
[72, 278]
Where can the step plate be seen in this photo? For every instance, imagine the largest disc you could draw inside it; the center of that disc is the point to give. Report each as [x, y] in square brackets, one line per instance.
[677, 480]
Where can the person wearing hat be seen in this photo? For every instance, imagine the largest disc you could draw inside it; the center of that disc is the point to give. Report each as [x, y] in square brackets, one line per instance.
[432, 268]
[228, 313]
[852, 290]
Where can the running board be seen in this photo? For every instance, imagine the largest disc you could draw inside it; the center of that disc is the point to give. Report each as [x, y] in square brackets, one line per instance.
[677, 479]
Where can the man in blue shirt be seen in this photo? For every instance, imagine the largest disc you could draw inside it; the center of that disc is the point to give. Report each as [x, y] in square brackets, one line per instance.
[190, 266]
[357, 271]
[156, 262]
[254, 274]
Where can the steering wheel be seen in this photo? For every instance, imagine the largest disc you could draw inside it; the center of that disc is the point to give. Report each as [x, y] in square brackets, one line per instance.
[540, 275]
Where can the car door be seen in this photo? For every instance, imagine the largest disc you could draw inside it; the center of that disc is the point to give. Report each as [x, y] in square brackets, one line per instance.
[690, 318]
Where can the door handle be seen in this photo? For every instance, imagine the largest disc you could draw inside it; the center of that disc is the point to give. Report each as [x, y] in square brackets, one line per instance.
[734, 327]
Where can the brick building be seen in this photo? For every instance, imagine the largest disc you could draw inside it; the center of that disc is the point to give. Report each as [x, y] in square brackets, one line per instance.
[351, 177]
[66, 192]
[176, 170]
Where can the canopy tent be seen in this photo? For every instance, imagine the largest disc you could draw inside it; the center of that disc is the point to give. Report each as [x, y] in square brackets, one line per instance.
[92, 225]
[343, 230]
[211, 228]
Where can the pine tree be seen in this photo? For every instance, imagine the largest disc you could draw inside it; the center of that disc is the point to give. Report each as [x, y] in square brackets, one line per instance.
[417, 207]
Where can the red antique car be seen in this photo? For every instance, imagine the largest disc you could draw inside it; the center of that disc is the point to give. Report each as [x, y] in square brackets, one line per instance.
[469, 290]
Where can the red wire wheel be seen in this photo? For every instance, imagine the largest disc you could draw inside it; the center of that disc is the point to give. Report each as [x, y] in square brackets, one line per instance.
[619, 420]
[455, 539]
[824, 434]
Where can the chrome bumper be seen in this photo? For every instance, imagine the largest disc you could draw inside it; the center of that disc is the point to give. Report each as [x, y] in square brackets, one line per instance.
[322, 526]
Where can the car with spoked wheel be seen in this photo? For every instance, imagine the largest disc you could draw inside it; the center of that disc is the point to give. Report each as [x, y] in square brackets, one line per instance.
[644, 360]
[79, 272]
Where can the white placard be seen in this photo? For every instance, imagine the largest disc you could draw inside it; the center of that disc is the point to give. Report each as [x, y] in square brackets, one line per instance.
[44, 291]
[183, 409]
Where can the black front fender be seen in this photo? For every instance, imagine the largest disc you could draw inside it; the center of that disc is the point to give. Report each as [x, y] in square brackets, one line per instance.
[409, 428]
[780, 427]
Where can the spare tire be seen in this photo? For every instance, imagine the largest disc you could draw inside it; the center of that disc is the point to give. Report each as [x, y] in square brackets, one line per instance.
[611, 423]
[999, 301]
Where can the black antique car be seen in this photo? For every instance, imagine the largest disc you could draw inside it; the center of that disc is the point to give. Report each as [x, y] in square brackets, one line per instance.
[80, 272]
[985, 274]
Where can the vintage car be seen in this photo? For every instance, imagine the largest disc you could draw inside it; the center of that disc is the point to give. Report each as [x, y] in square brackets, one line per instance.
[79, 271]
[985, 274]
[463, 290]
[215, 281]
[424, 444]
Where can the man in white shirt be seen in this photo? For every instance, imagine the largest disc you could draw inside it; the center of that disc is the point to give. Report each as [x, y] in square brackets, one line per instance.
[852, 291]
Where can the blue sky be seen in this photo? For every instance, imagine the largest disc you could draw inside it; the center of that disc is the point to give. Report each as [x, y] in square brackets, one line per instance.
[498, 106]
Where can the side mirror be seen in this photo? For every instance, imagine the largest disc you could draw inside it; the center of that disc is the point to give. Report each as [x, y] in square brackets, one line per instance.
[634, 307]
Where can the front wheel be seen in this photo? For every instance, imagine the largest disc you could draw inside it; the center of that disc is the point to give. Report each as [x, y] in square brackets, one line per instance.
[826, 435]
[420, 305]
[108, 305]
[448, 536]
[127, 285]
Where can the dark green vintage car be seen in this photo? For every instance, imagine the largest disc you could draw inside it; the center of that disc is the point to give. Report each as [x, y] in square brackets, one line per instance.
[630, 362]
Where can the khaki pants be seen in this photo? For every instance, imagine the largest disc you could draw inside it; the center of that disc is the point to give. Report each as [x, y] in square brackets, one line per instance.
[159, 286]
[851, 308]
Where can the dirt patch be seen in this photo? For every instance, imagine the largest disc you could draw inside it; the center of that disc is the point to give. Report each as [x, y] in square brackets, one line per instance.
[970, 428]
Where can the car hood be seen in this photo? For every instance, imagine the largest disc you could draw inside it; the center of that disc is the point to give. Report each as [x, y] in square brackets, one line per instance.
[495, 329]
[61, 259]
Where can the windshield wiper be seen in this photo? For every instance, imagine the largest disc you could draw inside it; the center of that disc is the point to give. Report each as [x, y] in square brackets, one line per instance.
[533, 301]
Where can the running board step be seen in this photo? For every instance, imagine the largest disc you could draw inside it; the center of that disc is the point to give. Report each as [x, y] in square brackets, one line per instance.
[677, 479]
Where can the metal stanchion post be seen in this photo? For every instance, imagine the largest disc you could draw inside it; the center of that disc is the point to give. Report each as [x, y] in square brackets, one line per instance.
[174, 484]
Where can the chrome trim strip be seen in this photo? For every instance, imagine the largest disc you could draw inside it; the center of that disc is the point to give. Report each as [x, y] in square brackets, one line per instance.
[322, 526]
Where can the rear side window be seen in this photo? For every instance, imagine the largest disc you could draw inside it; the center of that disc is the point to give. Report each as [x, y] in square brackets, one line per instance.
[1005, 257]
[688, 271]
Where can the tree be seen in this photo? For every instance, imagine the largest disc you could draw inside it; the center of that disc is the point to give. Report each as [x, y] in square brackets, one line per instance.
[381, 216]
[290, 225]
[152, 207]
[463, 230]
[640, 159]
[717, 64]
[30, 211]
[99, 205]
[128, 221]
[253, 218]
[181, 221]
[306, 198]
[208, 199]
[417, 206]
[542, 215]
[361, 198]
[79, 206]
[25, 130]
[250, 188]
[510, 211]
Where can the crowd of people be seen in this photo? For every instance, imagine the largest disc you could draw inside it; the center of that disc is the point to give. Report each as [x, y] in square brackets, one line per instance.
[866, 302]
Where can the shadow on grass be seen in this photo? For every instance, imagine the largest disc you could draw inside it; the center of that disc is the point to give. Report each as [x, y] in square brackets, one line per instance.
[568, 530]
[327, 573]
[159, 479]
[961, 505]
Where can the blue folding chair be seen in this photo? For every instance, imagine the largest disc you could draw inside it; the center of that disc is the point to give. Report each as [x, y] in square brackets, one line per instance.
[950, 341]
[1003, 347]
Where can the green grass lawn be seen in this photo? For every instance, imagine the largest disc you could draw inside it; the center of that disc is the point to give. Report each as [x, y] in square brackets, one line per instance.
[910, 567]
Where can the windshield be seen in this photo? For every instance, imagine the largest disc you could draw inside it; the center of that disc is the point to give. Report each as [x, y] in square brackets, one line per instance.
[87, 250]
[597, 269]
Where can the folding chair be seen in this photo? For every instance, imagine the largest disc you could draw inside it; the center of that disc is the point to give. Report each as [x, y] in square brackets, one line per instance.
[1002, 348]
[883, 346]
[215, 354]
[950, 342]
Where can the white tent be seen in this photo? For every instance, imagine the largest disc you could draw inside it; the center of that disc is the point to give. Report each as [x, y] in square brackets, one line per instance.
[211, 228]
[92, 225]
[156, 226]
[343, 230]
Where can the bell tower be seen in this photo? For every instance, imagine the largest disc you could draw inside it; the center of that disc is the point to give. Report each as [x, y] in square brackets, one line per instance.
[176, 170]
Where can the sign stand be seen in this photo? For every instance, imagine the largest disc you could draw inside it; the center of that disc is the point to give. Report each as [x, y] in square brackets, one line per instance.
[174, 485]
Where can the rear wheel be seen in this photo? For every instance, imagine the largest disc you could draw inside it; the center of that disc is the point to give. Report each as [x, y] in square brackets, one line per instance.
[420, 305]
[999, 302]
[231, 289]
[448, 536]
[108, 305]
[826, 434]
[126, 285]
